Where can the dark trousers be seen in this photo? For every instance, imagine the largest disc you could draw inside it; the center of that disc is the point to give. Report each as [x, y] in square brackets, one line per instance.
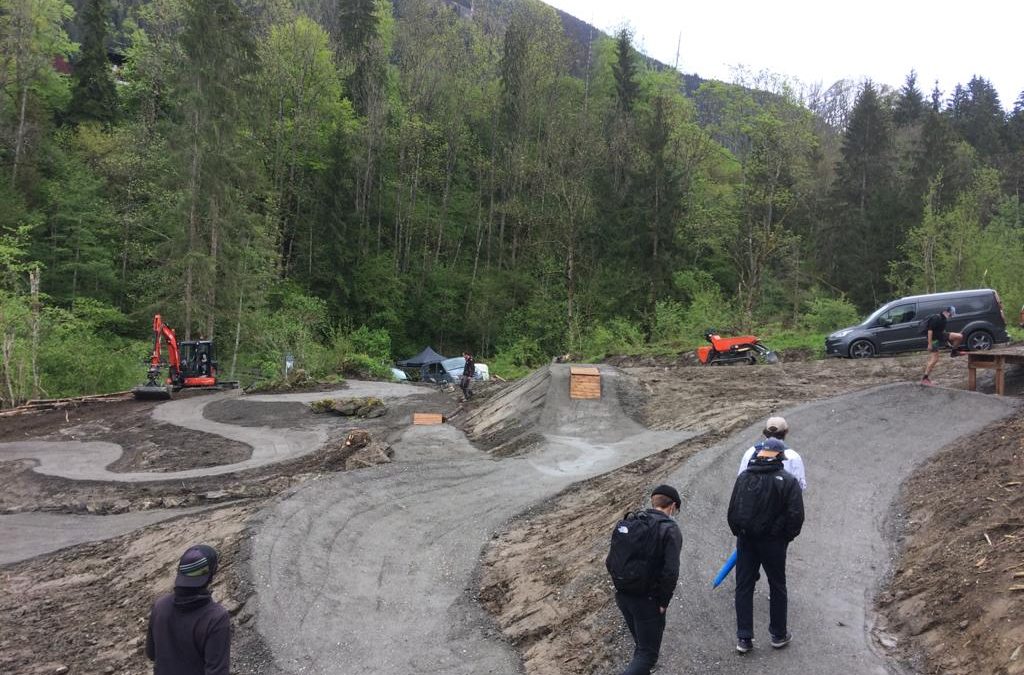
[464, 384]
[646, 624]
[753, 554]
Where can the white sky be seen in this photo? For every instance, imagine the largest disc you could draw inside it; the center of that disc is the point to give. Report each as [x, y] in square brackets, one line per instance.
[825, 41]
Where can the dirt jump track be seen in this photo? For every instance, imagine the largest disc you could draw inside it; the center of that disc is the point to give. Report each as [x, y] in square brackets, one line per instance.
[378, 570]
[373, 573]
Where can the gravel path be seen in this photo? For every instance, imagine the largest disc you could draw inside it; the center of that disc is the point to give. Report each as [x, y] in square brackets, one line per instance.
[26, 535]
[372, 571]
[88, 460]
[857, 448]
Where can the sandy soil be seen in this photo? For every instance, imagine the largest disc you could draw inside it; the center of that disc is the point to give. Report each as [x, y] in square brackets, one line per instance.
[955, 604]
[86, 605]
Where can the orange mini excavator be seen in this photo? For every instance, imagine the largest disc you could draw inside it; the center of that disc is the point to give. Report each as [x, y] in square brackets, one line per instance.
[190, 364]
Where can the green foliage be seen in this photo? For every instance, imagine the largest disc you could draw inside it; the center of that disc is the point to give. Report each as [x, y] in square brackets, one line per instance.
[518, 359]
[402, 174]
[617, 336]
[824, 314]
[94, 97]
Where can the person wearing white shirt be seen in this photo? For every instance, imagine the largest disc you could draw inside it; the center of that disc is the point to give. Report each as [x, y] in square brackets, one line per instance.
[776, 427]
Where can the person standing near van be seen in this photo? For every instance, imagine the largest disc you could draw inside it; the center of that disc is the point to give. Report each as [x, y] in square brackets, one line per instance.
[468, 373]
[939, 338]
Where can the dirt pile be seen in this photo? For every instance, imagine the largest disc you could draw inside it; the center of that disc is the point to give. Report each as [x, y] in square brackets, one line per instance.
[506, 421]
[955, 603]
[367, 407]
[358, 451]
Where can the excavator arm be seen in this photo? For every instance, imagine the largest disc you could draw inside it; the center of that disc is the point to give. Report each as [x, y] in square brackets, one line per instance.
[161, 332]
[154, 388]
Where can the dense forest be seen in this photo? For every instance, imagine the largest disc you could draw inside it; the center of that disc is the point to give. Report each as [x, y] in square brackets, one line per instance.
[349, 180]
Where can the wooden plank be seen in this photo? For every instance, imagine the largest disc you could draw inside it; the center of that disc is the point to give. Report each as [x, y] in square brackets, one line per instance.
[587, 387]
[584, 370]
[427, 418]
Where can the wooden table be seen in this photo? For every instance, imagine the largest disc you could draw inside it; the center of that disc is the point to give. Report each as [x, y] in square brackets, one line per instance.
[997, 360]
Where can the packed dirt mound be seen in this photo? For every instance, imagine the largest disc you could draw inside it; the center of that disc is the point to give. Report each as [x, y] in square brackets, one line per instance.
[955, 604]
[539, 407]
[506, 423]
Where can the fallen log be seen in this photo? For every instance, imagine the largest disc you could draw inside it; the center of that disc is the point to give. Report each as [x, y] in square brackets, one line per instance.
[43, 404]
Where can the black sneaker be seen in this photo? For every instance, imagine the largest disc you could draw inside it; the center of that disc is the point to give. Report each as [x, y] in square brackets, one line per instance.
[780, 642]
[954, 352]
[744, 645]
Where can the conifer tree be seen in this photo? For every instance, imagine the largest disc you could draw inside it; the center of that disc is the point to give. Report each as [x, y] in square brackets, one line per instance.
[864, 198]
[94, 97]
[624, 69]
[909, 104]
[978, 117]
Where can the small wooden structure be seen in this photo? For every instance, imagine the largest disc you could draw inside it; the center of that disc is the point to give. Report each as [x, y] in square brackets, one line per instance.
[427, 418]
[584, 382]
[997, 360]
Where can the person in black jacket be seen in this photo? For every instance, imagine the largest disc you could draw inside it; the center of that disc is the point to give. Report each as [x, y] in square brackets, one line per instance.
[189, 633]
[766, 512]
[644, 612]
[468, 373]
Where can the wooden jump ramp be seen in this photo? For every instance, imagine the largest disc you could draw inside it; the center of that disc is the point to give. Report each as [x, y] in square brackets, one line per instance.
[584, 382]
[426, 419]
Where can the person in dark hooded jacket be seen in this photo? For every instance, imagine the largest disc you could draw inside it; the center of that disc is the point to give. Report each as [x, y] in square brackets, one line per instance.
[189, 633]
[766, 513]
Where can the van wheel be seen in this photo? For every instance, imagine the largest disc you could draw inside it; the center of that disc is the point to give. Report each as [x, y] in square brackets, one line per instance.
[862, 349]
[979, 340]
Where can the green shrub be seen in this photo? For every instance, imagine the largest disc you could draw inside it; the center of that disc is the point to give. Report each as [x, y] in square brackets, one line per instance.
[374, 343]
[670, 322]
[518, 359]
[824, 315]
[617, 336]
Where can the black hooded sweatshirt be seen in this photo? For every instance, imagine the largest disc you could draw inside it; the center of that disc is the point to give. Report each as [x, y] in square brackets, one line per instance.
[189, 634]
[766, 503]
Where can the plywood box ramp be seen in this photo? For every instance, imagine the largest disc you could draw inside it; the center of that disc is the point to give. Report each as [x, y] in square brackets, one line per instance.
[584, 382]
[427, 418]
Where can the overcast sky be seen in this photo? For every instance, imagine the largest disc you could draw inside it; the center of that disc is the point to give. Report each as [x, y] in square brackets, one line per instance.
[821, 41]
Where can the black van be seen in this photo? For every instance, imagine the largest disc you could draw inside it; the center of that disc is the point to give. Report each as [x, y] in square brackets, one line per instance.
[898, 327]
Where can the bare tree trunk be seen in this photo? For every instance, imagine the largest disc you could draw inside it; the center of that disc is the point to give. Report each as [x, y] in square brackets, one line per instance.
[211, 292]
[442, 221]
[33, 281]
[193, 226]
[19, 139]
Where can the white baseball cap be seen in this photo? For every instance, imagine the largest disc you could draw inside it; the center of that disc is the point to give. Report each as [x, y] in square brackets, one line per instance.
[775, 424]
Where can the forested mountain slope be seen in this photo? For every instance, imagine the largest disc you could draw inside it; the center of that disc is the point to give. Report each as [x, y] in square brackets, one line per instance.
[344, 180]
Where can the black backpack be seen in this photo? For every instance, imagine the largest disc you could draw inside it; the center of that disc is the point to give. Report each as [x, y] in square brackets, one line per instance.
[756, 503]
[633, 553]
